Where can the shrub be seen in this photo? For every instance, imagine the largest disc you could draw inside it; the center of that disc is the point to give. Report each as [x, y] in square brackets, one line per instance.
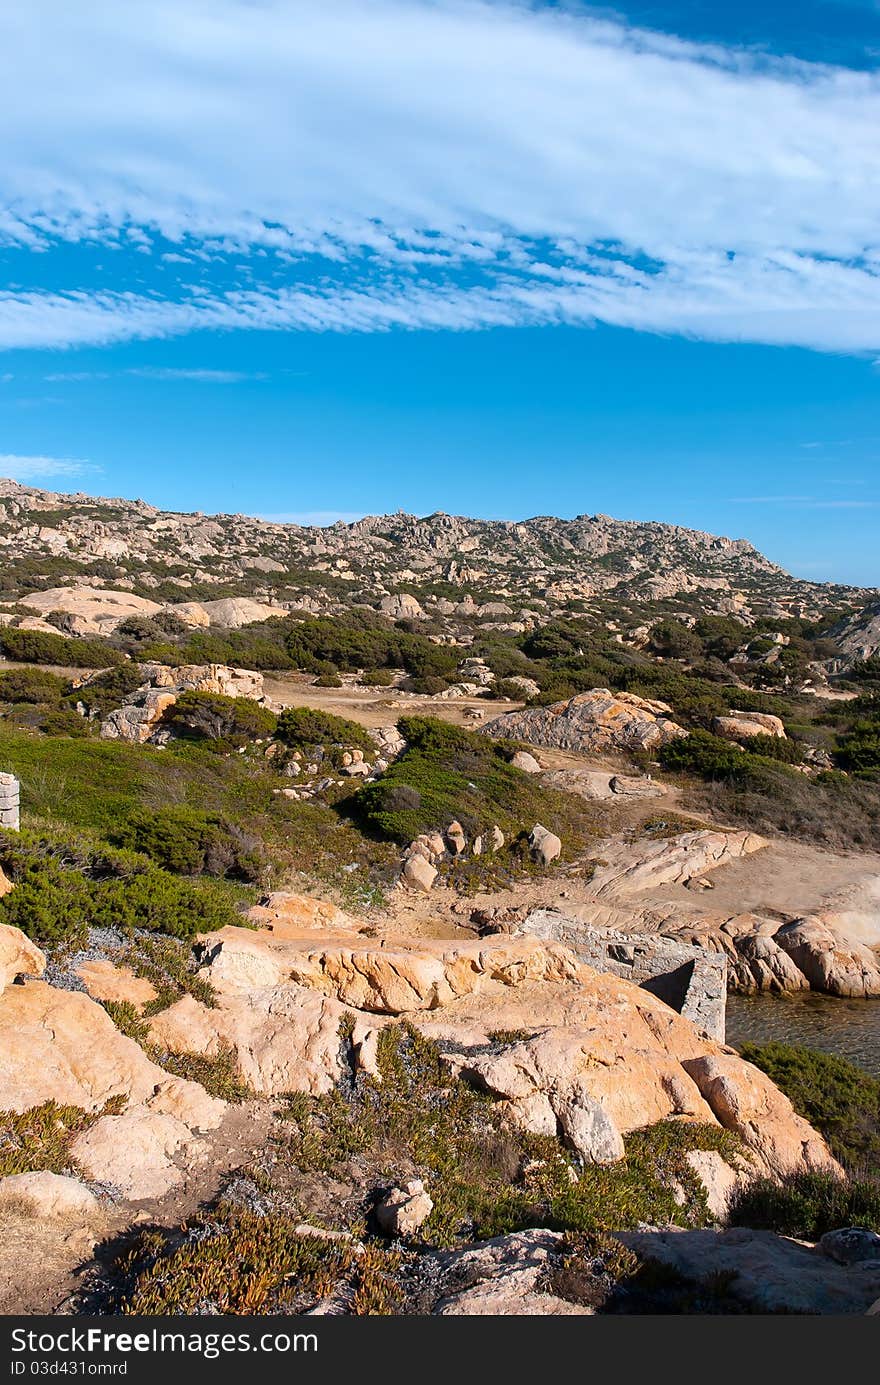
[675, 641]
[189, 841]
[448, 773]
[39, 647]
[505, 688]
[301, 727]
[707, 755]
[377, 678]
[108, 690]
[51, 905]
[807, 1205]
[835, 1096]
[230, 721]
[429, 686]
[789, 752]
[328, 680]
[31, 685]
[64, 722]
[860, 748]
[63, 887]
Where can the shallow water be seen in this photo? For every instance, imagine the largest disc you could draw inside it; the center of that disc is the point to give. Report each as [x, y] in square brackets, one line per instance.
[849, 1028]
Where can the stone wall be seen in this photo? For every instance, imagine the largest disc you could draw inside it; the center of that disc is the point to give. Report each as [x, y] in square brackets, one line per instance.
[691, 980]
[9, 799]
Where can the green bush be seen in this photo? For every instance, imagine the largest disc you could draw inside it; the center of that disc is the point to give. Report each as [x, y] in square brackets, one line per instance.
[674, 640]
[859, 749]
[64, 722]
[787, 751]
[429, 686]
[108, 690]
[806, 1205]
[507, 690]
[707, 755]
[62, 887]
[230, 721]
[835, 1096]
[39, 647]
[377, 678]
[448, 773]
[301, 727]
[31, 685]
[366, 641]
[189, 841]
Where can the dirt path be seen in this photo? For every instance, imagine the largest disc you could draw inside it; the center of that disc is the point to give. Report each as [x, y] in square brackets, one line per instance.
[372, 707]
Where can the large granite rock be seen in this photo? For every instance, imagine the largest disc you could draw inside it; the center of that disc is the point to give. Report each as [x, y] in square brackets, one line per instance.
[60, 1046]
[767, 1273]
[742, 726]
[830, 961]
[18, 956]
[597, 721]
[669, 861]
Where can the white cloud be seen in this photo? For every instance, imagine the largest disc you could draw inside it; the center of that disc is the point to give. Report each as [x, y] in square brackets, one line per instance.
[805, 502]
[200, 376]
[18, 468]
[461, 164]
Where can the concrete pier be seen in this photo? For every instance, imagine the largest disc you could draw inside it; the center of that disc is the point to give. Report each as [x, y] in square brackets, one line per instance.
[692, 980]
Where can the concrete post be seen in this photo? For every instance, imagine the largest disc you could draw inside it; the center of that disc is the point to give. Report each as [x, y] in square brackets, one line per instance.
[10, 791]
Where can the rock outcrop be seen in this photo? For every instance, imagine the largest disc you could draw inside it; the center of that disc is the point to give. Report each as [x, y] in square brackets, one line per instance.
[669, 861]
[767, 1273]
[141, 718]
[597, 1057]
[504, 1277]
[44, 1194]
[60, 1046]
[742, 726]
[97, 610]
[829, 960]
[596, 721]
[18, 956]
[402, 1211]
[393, 978]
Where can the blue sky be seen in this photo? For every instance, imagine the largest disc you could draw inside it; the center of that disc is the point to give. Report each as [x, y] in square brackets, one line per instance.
[332, 257]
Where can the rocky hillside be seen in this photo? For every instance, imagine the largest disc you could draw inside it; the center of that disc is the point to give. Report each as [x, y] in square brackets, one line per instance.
[858, 637]
[509, 574]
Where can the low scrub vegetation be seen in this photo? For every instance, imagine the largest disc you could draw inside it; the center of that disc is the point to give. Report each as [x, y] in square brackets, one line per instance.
[40, 1139]
[835, 1096]
[189, 841]
[447, 774]
[486, 1176]
[39, 647]
[304, 728]
[842, 1102]
[233, 1261]
[56, 900]
[226, 723]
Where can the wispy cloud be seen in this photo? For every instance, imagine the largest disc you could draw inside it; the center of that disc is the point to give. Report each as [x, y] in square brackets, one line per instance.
[19, 468]
[205, 377]
[804, 502]
[434, 164]
[199, 376]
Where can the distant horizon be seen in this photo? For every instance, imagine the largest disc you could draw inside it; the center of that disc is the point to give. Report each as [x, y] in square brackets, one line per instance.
[304, 522]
